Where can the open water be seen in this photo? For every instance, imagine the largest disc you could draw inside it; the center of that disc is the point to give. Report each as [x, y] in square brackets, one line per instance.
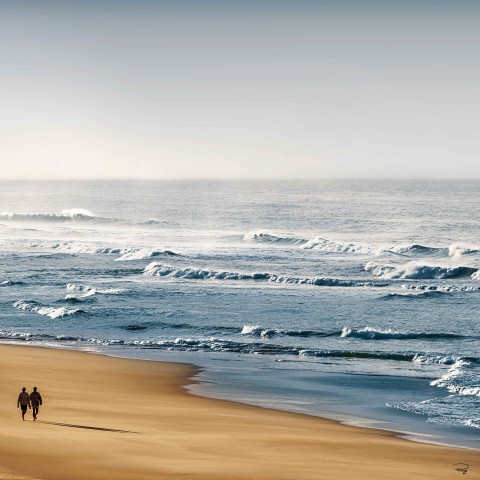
[351, 299]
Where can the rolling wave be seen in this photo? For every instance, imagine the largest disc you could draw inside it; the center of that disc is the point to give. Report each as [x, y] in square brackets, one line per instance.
[157, 269]
[414, 270]
[46, 310]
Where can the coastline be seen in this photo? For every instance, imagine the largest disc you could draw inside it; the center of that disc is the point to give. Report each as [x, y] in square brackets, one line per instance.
[108, 417]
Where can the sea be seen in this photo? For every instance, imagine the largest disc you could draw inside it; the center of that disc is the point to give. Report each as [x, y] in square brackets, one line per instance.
[356, 300]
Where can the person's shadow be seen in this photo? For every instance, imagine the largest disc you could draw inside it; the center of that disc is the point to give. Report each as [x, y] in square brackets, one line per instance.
[86, 427]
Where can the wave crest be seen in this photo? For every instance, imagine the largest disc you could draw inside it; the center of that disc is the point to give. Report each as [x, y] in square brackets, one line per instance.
[414, 270]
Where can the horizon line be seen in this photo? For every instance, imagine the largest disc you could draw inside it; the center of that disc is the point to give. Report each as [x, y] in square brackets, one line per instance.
[220, 179]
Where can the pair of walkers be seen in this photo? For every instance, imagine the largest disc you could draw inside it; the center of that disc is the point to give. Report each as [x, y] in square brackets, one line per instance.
[33, 401]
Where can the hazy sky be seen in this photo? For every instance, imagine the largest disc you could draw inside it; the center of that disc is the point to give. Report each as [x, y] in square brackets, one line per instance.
[266, 88]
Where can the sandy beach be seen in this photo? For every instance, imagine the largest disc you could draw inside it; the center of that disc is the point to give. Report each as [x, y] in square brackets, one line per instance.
[109, 418]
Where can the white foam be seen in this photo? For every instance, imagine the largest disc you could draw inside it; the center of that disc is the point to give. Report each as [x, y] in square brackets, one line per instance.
[250, 329]
[52, 312]
[460, 380]
[426, 359]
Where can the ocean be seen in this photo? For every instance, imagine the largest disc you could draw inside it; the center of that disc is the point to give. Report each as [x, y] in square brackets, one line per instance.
[350, 299]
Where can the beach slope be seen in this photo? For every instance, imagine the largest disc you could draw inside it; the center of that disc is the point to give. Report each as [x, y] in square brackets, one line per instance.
[109, 418]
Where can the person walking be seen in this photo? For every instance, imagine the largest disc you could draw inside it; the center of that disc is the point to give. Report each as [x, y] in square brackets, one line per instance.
[23, 402]
[36, 401]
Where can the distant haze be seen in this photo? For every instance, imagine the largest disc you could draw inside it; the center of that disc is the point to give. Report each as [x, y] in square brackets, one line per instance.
[220, 89]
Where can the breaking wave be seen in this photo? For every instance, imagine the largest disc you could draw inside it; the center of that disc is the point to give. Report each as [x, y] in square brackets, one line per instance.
[45, 310]
[144, 253]
[257, 331]
[266, 237]
[64, 215]
[88, 290]
[330, 246]
[413, 270]
[157, 269]
[371, 333]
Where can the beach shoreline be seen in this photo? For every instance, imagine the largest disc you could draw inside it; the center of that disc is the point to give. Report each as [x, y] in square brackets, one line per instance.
[136, 419]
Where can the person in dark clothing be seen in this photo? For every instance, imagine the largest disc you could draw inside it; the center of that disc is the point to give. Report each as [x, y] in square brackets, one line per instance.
[36, 401]
[23, 401]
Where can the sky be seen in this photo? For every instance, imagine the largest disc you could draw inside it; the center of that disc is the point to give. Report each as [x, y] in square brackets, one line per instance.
[239, 89]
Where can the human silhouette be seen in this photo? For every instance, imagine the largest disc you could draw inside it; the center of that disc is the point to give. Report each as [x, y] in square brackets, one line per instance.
[23, 401]
[36, 401]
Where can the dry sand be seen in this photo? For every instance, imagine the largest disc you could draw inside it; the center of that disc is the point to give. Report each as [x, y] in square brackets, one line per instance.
[109, 418]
